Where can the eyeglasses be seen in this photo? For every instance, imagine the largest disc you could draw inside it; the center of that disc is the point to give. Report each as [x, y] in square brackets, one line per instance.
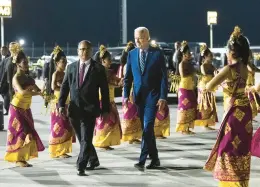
[83, 49]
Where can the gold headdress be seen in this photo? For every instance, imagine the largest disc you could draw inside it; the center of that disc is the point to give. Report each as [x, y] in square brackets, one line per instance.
[129, 44]
[257, 56]
[102, 50]
[56, 51]
[183, 45]
[235, 34]
[15, 49]
[203, 48]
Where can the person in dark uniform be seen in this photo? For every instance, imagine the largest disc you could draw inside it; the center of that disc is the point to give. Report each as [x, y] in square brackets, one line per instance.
[48, 70]
[3, 86]
[8, 69]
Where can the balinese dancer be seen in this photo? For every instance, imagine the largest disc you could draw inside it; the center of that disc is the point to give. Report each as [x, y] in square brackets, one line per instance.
[23, 142]
[130, 46]
[108, 133]
[62, 133]
[162, 123]
[206, 109]
[131, 124]
[162, 119]
[187, 103]
[250, 83]
[230, 158]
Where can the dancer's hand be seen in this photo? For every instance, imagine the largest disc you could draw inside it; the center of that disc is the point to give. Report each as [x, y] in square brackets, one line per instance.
[59, 84]
[161, 104]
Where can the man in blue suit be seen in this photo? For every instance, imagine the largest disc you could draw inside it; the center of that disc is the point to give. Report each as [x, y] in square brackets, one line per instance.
[146, 71]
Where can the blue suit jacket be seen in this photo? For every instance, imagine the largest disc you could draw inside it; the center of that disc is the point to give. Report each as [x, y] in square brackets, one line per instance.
[152, 83]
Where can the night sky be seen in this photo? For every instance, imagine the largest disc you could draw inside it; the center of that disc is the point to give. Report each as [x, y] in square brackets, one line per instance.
[70, 21]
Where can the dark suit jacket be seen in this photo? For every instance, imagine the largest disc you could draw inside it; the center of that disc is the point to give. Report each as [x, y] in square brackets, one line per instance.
[46, 70]
[152, 84]
[11, 70]
[84, 100]
[3, 78]
[8, 69]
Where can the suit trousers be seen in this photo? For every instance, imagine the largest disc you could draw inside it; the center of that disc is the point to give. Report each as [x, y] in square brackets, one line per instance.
[84, 129]
[148, 146]
[6, 98]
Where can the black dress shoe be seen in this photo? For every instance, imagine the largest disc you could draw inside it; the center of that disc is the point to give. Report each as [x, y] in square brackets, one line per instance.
[81, 173]
[154, 164]
[93, 166]
[139, 166]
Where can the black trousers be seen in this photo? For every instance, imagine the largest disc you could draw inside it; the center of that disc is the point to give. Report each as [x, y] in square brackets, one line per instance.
[6, 98]
[84, 129]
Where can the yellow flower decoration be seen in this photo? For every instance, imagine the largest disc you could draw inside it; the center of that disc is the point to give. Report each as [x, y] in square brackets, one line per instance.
[15, 49]
[183, 45]
[55, 51]
[203, 48]
[102, 50]
[235, 34]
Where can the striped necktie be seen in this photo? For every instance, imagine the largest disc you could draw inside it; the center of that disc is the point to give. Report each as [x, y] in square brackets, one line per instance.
[142, 61]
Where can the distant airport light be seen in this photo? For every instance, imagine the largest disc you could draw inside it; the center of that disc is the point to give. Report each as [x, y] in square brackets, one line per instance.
[21, 42]
[6, 8]
[212, 18]
[153, 42]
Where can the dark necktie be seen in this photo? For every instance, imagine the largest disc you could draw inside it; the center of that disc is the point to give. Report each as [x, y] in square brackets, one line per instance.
[81, 74]
[142, 61]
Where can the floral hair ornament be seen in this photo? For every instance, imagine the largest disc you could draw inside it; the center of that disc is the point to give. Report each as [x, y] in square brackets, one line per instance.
[203, 48]
[56, 51]
[183, 45]
[130, 43]
[235, 35]
[15, 49]
[102, 50]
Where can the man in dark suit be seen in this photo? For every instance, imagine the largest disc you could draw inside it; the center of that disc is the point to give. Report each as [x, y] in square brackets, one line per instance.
[83, 80]
[14, 47]
[4, 87]
[146, 70]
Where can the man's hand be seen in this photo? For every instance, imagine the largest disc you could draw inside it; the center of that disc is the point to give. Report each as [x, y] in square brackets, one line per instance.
[161, 104]
[104, 116]
[61, 111]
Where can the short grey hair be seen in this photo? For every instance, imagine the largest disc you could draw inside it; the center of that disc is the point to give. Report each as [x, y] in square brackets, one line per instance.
[86, 42]
[143, 30]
